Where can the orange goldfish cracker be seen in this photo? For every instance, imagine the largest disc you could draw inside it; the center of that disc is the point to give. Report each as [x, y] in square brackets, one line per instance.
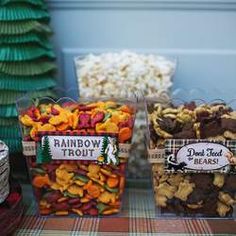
[100, 127]
[107, 197]
[62, 126]
[102, 177]
[40, 181]
[126, 109]
[94, 191]
[112, 182]
[75, 119]
[46, 127]
[64, 175]
[61, 213]
[106, 172]
[97, 181]
[93, 175]
[80, 183]
[63, 182]
[94, 168]
[111, 127]
[55, 186]
[86, 186]
[84, 200]
[56, 120]
[26, 120]
[77, 211]
[33, 133]
[110, 211]
[125, 134]
[115, 118]
[76, 190]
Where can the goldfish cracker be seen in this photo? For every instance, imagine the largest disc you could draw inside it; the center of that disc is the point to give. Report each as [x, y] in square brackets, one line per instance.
[46, 127]
[111, 127]
[56, 120]
[27, 120]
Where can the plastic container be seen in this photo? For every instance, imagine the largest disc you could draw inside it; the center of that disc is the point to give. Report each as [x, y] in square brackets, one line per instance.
[192, 152]
[77, 153]
[107, 73]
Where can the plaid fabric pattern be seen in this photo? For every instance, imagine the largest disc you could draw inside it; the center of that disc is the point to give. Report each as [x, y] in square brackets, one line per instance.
[173, 145]
[137, 218]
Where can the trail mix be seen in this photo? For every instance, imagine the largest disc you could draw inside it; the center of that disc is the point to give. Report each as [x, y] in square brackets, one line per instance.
[205, 194]
[82, 187]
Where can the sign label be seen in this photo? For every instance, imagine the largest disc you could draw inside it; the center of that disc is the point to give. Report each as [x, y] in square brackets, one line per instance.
[103, 149]
[200, 156]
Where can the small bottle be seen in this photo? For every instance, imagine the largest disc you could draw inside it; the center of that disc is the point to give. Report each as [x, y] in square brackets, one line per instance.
[4, 171]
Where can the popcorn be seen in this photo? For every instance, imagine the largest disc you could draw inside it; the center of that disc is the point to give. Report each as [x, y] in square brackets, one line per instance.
[114, 74]
[121, 71]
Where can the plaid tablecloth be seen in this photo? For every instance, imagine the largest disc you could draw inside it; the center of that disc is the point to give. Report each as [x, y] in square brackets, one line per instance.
[137, 218]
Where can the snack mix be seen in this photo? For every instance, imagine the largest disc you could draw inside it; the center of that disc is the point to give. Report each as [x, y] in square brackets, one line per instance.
[108, 73]
[191, 194]
[81, 187]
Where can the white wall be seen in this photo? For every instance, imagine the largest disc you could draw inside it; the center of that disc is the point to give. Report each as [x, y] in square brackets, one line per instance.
[201, 34]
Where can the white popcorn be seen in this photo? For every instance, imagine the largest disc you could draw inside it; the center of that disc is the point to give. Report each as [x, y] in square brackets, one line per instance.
[112, 74]
[150, 73]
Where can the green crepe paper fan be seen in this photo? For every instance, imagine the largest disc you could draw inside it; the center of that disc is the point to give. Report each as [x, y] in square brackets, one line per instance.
[9, 96]
[10, 131]
[24, 53]
[26, 38]
[8, 121]
[26, 84]
[33, 2]
[8, 110]
[27, 68]
[14, 12]
[13, 144]
[22, 27]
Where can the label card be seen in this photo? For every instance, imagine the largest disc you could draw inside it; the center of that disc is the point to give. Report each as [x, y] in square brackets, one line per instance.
[204, 156]
[103, 149]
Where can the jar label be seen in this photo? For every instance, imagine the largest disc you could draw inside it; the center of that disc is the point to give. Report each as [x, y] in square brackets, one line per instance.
[103, 149]
[186, 155]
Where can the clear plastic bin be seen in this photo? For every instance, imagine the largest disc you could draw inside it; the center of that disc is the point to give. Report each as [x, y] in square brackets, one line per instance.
[77, 153]
[192, 153]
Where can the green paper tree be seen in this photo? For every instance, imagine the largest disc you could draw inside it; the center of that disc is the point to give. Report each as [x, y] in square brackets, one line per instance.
[46, 152]
[104, 146]
[26, 61]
